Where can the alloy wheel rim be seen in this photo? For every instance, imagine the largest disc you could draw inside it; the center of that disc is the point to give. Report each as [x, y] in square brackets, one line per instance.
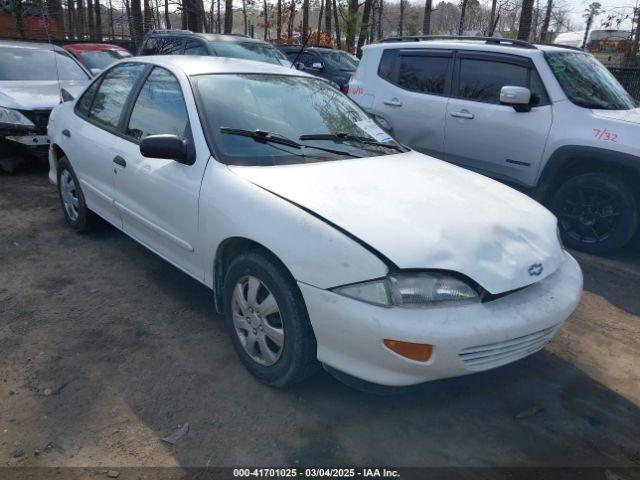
[69, 194]
[257, 320]
[589, 215]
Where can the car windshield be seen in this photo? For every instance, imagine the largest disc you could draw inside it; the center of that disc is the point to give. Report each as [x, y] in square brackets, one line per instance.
[287, 107]
[258, 51]
[101, 59]
[587, 82]
[340, 61]
[35, 64]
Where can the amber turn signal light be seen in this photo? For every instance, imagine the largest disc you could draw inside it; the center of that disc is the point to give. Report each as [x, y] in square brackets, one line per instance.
[421, 352]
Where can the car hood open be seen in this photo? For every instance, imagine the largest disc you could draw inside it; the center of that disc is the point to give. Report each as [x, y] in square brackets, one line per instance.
[37, 94]
[423, 213]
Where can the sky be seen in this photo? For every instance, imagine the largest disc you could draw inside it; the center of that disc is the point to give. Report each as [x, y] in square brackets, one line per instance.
[577, 8]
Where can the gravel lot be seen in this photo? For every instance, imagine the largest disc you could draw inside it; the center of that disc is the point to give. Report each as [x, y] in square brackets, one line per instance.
[105, 349]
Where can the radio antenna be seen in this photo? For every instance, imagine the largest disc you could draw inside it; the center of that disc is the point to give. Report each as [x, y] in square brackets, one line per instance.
[45, 24]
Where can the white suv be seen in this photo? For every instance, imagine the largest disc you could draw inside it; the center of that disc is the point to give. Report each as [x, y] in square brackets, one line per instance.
[548, 120]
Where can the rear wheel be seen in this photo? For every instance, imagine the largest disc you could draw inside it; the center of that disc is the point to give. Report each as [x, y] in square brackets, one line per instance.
[597, 212]
[268, 321]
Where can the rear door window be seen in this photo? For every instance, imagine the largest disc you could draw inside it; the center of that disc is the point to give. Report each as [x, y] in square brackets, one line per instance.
[195, 47]
[163, 46]
[113, 93]
[423, 73]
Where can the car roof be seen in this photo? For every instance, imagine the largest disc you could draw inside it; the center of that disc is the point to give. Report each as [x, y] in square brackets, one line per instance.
[93, 46]
[198, 65]
[31, 45]
[471, 44]
[206, 36]
[296, 48]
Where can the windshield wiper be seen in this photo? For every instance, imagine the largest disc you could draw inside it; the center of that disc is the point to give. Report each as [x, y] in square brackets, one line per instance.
[266, 137]
[347, 136]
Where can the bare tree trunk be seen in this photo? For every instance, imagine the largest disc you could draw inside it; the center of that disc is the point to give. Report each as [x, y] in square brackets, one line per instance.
[278, 20]
[426, 21]
[156, 13]
[352, 20]
[380, 13]
[463, 11]
[319, 23]
[327, 18]
[526, 15]
[82, 22]
[492, 18]
[98, 20]
[228, 16]
[137, 21]
[219, 17]
[266, 18]
[71, 19]
[364, 26]
[17, 17]
[92, 31]
[148, 17]
[167, 18]
[335, 20]
[544, 32]
[112, 31]
[245, 19]
[635, 47]
[305, 20]
[292, 16]
[401, 22]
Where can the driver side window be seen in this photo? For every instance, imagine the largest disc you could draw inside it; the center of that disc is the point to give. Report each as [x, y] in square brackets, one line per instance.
[159, 108]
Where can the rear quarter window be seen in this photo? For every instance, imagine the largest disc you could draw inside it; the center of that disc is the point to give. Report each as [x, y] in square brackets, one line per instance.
[387, 64]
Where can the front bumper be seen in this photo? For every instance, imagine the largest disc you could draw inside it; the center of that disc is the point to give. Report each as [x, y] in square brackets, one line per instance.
[465, 339]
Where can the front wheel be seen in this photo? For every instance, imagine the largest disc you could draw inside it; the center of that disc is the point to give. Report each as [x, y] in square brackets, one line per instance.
[597, 212]
[268, 320]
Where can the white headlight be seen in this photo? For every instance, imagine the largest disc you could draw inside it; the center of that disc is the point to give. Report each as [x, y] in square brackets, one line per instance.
[422, 289]
[13, 118]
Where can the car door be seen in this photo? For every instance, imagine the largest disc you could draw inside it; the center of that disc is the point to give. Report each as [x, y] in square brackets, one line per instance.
[413, 98]
[158, 198]
[486, 136]
[89, 137]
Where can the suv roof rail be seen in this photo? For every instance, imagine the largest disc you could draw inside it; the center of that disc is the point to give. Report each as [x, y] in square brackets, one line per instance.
[559, 45]
[167, 31]
[508, 42]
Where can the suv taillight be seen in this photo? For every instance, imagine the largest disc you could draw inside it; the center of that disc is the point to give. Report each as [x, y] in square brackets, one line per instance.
[345, 89]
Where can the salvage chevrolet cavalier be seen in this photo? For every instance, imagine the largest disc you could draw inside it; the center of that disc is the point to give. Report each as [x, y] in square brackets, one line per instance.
[324, 241]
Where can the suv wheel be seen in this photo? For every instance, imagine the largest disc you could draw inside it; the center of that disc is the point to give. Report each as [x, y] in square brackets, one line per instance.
[268, 320]
[597, 212]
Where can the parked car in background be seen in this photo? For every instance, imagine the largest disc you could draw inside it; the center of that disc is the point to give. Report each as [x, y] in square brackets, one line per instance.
[97, 56]
[334, 65]
[234, 171]
[549, 120]
[185, 42]
[611, 47]
[31, 78]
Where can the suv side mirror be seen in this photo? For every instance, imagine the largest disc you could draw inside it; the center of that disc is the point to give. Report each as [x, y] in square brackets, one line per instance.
[299, 66]
[317, 66]
[518, 97]
[170, 147]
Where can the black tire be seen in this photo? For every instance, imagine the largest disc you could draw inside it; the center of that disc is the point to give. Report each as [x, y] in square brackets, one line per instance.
[597, 212]
[85, 219]
[298, 358]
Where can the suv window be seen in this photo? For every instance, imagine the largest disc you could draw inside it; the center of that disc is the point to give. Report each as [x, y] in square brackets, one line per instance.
[195, 47]
[163, 46]
[160, 107]
[427, 74]
[113, 92]
[308, 59]
[387, 64]
[482, 80]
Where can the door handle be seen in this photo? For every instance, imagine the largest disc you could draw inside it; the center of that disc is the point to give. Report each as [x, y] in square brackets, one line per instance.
[394, 102]
[463, 114]
[66, 133]
[118, 160]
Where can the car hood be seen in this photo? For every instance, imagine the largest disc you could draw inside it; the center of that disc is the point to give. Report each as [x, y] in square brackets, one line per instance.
[630, 116]
[424, 213]
[35, 95]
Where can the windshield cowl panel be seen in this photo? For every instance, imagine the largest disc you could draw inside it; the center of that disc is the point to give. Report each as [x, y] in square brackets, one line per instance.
[587, 83]
[262, 120]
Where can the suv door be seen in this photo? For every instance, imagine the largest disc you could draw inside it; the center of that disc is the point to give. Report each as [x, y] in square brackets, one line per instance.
[98, 113]
[413, 98]
[486, 136]
[158, 198]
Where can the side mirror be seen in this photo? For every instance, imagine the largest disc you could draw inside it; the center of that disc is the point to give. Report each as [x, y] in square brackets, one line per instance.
[317, 66]
[66, 96]
[518, 97]
[299, 66]
[170, 147]
[95, 71]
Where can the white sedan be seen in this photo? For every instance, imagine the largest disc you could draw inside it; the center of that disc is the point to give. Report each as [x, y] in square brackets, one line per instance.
[324, 241]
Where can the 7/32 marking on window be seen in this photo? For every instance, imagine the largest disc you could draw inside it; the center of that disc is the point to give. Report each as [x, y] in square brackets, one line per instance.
[605, 135]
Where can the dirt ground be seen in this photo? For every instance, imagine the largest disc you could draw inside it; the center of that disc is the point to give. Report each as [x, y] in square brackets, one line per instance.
[105, 349]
